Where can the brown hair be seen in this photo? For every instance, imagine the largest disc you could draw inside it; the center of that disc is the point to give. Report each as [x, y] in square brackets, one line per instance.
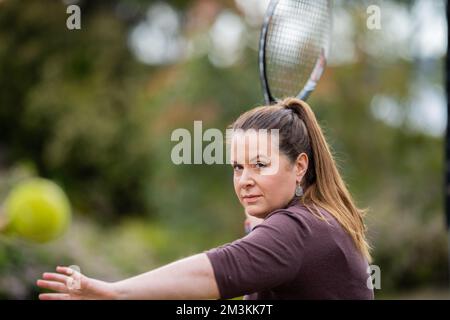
[299, 132]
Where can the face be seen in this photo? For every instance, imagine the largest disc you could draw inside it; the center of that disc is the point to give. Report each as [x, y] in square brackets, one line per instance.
[264, 179]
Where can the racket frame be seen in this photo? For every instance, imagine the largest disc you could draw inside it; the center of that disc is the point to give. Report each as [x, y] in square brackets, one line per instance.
[269, 99]
[317, 72]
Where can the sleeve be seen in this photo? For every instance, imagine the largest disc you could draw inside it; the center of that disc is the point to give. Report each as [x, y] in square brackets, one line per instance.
[268, 256]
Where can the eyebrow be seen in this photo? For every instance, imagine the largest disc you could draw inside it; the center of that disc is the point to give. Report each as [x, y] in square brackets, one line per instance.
[252, 159]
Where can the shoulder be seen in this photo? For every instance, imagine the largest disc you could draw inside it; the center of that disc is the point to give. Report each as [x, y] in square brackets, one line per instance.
[286, 221]
[297, 212]
[300, 217]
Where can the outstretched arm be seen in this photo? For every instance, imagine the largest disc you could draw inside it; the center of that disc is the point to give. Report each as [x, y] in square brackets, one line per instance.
[188, 278]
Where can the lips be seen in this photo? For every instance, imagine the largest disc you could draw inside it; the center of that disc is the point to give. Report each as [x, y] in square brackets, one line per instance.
[251, 198]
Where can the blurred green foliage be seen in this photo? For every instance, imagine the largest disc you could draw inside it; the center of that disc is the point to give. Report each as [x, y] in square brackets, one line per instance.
[77, 107]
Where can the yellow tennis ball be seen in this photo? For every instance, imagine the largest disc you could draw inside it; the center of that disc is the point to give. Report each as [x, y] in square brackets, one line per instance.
[37, 210]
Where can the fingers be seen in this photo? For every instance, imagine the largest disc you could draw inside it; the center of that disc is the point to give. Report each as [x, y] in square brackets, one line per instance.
[55, 277]
[63, 282]
[52, 285]
[65, 270]
[54, 296]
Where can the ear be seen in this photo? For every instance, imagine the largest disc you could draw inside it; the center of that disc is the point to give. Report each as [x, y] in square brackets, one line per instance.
[301, 165]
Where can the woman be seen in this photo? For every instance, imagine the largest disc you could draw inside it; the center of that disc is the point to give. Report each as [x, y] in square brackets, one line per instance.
[307, 239]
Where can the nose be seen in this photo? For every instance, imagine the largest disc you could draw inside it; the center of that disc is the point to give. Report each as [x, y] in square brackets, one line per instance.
[246, 179]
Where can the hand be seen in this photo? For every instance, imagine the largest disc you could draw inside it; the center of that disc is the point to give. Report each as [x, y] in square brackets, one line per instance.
[251, 222]
[72, 285]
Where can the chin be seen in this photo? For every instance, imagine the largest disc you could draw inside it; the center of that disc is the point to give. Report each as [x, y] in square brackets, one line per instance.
[256, 212]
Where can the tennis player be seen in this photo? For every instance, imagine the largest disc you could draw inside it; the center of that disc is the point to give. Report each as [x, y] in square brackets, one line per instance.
[306, 241]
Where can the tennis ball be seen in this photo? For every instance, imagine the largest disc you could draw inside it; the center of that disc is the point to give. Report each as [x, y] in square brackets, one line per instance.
[37, 210]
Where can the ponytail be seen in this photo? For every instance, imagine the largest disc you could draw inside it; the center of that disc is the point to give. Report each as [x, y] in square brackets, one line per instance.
[328, 189]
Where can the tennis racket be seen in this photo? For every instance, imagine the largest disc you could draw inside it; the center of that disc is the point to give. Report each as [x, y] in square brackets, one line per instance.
[294, 47]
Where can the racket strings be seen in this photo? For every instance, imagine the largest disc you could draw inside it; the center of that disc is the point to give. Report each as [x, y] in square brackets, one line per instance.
[296, 37]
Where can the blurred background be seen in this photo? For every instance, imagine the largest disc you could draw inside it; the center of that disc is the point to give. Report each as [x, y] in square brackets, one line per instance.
[93, 109]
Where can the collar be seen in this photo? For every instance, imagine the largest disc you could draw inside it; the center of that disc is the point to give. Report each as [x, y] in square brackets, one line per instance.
[293, 201]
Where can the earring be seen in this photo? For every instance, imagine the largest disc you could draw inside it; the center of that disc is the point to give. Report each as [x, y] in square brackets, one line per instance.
[298, 190]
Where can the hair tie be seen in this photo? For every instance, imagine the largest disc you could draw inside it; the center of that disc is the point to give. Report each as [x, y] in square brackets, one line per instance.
[292, 107]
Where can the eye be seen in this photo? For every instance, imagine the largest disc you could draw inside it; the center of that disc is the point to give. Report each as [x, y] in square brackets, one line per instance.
[260, 165]
[237, 167]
